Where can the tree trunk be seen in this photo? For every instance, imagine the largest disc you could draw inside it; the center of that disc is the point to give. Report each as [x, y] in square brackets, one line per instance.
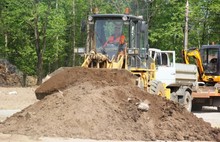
[38, 51]
[24, 80]
[39, 68]
[73, 33]
[57, 38]
[6, 44]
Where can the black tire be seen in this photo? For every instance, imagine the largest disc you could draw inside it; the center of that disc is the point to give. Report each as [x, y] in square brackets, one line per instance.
[218, 108]
[156, 87]
[186, 101]
[196, 107]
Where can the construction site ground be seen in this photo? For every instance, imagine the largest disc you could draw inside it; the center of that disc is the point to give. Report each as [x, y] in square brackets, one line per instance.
[98, 105]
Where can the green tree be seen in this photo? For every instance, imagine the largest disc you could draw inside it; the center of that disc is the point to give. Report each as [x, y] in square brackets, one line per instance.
[33, 26]
[166, 25]
[204, 22]
[39, 36]
[17, 44]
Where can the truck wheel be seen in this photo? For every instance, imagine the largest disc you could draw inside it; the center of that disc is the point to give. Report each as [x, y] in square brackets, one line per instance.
[155, 87]
[186, 101]
[218, 108]
[174, 97]
[196, 107]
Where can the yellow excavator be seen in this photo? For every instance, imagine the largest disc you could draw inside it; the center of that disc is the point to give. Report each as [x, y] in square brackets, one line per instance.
[207, 59]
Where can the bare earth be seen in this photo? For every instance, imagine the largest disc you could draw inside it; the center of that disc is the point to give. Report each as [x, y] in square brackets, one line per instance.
[100, 105]
[16, 97]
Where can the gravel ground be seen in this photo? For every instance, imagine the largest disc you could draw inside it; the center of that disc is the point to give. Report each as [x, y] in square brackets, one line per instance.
[14, 99]
[211, 115]
[22, 138]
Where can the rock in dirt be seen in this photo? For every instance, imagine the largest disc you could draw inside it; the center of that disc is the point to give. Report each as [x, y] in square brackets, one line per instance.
[144, 106]
[102, 104]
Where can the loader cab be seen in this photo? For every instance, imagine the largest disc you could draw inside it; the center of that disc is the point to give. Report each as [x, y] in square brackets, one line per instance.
[210, 55]
[102, 37]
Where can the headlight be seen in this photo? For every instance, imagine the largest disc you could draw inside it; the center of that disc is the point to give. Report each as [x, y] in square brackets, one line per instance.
[133, 51]
[124, 18]
[90, 18]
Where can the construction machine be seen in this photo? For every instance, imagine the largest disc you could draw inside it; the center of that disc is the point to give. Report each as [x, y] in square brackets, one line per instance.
[179, 79]
[131, 55]
[156, 70]
[207, 59]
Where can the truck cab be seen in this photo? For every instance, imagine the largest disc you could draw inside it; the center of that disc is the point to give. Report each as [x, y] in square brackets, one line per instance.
[165, 65]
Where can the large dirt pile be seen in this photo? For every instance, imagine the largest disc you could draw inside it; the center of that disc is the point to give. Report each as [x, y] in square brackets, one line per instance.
[103, 104]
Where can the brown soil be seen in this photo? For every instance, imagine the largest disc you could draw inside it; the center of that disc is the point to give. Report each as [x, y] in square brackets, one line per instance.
[8, 78]
[102, 104]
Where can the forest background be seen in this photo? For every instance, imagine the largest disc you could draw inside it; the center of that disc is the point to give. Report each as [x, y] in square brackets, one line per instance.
[39, 36]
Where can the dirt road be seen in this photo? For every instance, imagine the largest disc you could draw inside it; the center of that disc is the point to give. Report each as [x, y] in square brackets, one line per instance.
[209, 114]
[22, 138]
[14, 99]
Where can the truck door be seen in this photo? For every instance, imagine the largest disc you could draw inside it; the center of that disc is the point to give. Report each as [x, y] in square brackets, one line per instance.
[166, 67]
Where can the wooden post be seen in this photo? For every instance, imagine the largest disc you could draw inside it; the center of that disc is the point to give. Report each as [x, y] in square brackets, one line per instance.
[186, 26]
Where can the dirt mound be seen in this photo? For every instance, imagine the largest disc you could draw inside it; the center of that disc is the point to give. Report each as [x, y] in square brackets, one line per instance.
[8, 75]
[68, 77]
[103, 104]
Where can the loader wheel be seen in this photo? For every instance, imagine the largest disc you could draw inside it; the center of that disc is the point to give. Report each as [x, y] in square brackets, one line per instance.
[186, 101]
[155, 87]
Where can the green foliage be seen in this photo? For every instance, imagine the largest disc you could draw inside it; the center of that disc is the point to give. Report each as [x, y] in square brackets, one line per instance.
[17, 33]
[204, 21]
[166, 25]
[26, 59]
[62, 23]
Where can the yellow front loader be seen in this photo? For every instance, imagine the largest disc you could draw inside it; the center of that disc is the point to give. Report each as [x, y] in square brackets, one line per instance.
[134, 55]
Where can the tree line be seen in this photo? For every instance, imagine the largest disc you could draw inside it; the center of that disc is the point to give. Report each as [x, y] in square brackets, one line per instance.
[39, 36]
